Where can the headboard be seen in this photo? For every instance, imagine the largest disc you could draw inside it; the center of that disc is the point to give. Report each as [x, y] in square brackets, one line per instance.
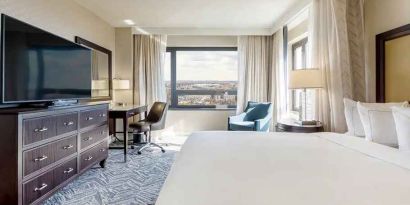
[393, 65]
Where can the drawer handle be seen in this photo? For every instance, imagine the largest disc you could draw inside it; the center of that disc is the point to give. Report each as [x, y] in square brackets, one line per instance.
[102, 150]
[88, 138]
[89, 118]
[102, 115]
[43, 186]
[68, 170]
[88, 158]
[69, 123]
[41, 130]
[40, 158]
[68, 146]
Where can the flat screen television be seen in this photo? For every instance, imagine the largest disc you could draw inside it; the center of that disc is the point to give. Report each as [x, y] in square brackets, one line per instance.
[38, 66]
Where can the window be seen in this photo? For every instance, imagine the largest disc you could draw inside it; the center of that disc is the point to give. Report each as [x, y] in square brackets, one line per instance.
[299, 58]
[201, 77]
[298, 62]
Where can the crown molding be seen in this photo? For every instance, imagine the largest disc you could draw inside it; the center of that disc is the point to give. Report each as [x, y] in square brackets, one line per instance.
[203, 31]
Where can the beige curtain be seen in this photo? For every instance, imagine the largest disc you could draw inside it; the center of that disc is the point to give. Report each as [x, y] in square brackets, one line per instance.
[255, 64]
[260, 70]
[149, 86]
[337, 36]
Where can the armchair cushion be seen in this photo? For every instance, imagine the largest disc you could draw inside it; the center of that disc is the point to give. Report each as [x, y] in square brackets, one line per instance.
[242, 126]
[237, 118]
[250, 105]
[258, 112]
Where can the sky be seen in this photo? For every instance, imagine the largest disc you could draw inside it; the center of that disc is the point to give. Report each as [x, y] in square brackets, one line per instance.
[204, 65]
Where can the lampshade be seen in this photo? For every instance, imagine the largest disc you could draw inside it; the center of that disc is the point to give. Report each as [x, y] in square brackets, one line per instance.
[99, 84]
[306, 78]
[118, 84]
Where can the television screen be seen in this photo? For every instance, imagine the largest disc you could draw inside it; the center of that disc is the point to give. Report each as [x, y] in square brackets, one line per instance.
[40, 66]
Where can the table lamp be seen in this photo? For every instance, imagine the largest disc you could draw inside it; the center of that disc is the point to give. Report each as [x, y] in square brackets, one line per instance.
[305, 79]
[118, 84]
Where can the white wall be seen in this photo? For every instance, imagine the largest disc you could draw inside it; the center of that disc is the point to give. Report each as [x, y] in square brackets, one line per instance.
[64, 18]
[201, 41]
[123, 63]
[298, 32]
[184, 122]
[381, 16]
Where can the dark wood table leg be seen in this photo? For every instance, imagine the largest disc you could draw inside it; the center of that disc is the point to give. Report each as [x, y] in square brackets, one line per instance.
[114, 128]
[125, 129]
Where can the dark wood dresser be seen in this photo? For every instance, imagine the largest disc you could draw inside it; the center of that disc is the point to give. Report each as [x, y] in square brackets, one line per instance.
[41, 150]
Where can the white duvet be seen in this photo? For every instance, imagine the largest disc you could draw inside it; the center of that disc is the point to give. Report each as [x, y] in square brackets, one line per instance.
[246, 168]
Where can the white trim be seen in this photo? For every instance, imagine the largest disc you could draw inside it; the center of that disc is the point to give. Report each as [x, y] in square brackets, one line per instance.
[203, 31]
[297, 9]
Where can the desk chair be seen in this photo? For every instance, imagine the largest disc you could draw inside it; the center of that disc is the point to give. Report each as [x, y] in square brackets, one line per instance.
[154, 121]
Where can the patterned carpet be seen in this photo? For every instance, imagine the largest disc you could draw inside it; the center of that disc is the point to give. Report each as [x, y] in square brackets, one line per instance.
[136, 182]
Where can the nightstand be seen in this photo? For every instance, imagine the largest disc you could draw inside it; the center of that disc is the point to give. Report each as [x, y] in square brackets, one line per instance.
[292, 126]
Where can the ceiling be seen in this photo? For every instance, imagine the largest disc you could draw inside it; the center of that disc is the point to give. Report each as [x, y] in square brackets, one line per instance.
[195, 14]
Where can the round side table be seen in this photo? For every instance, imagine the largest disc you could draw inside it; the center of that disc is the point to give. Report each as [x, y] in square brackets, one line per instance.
[294, 127]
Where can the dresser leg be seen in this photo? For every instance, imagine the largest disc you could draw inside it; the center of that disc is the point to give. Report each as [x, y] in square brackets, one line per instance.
[102, 163]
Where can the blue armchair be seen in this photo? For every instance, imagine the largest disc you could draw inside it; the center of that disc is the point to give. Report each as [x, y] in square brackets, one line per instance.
[256, 117]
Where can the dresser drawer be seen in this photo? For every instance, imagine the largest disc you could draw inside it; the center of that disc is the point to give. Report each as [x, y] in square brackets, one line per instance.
[65, 147]
[67, 123]
[94, 155]
[38, 158]
[92, 117]
[65, 171]
[38, 129]
[93, 136]
[37, 187]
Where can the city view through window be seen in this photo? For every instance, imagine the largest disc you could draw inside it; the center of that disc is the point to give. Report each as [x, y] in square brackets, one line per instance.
[203, 78]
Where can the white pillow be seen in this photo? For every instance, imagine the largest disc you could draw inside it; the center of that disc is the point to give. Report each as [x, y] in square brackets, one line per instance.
[354, 124]
[378, 122]
[402, 120]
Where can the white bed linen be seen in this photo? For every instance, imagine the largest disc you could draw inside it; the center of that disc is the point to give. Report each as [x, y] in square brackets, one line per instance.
[246, 168]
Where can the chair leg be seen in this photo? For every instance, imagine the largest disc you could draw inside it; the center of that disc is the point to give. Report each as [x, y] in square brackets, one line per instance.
[149, 144]
[143, 147]
[159, 146]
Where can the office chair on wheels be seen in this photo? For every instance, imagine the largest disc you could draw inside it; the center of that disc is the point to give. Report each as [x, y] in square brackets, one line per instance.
[154, 121]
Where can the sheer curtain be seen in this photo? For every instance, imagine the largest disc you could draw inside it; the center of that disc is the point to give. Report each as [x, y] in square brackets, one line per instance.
[278, 82]
[336, 35]
[260, 71]
[149, 57]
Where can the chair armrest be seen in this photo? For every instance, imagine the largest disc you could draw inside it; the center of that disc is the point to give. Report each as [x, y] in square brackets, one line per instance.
[260, 125]
[237, 118]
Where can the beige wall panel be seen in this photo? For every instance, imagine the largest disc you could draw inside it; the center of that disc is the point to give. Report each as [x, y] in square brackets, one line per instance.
[397, 69]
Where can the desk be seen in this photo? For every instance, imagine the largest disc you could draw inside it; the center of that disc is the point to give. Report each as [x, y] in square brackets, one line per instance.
[124, 112]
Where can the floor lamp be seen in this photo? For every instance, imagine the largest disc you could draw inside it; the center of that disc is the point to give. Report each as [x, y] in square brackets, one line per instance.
[305, 79]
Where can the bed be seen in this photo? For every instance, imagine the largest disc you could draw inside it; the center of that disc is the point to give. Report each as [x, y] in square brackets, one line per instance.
[246, 168]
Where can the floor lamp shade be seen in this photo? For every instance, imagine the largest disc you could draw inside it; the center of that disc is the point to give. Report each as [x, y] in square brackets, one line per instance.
[306, 78]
